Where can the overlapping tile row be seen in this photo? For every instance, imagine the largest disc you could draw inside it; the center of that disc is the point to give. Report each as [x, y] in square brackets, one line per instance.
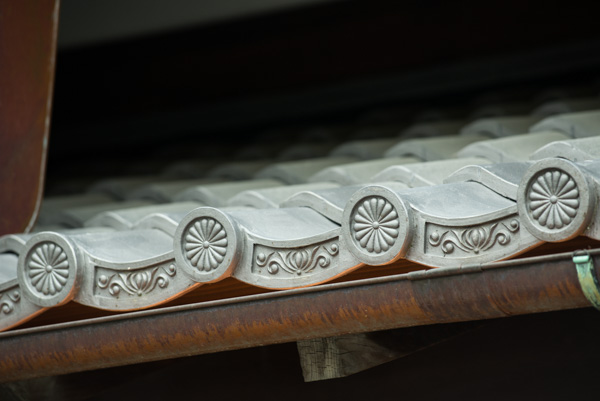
[296, 225]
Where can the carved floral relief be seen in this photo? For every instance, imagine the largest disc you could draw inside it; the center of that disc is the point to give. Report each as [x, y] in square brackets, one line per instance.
[375, 225]
[296, 261]
[205, 244]
[48, 268]
[135, 283]
[472, 240]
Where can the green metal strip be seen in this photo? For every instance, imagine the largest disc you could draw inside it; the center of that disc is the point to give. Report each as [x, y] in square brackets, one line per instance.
[586, 272]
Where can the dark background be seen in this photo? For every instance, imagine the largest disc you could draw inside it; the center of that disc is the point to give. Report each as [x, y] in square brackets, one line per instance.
[329, 63]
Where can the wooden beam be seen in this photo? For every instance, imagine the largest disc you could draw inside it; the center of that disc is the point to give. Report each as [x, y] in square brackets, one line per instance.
[28, 31]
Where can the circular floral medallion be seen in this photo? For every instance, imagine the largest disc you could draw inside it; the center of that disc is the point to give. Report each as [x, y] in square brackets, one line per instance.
[553, 199]
[375, 225]
[205, 244]
[48, 268]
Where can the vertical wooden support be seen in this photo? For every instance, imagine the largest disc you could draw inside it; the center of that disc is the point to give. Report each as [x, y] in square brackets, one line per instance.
[28, 32]
[334, 357]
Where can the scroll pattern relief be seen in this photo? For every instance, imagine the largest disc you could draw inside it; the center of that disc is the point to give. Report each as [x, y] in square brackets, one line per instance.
[134, 283]
[298, 261]
[8, 300]
[454, 241]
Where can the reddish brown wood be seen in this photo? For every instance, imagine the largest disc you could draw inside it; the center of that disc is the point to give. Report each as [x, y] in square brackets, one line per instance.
[478, 292]
[28, 31]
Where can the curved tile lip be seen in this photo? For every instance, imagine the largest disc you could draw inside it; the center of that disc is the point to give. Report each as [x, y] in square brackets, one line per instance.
[298, 172]
[424, 174]
[328, 202]
[433, 129]
[503, 181]
[462, 201]
[430, 149]
[218, 194]
[498, 127]
[357, 173]
[127, 219]
[14, 243]
[575, 125]
[165, 222]
[514, 148]
[292, 243]
[265, 198]
[365, 149]
[575, 150]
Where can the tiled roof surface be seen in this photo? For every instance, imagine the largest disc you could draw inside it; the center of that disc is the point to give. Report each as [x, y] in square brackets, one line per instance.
[436, 195]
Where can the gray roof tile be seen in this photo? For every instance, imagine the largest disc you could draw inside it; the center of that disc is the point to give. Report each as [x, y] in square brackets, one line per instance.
[573, 149]
[575, 125]
[276, 236]
[429, 149]
[218, 195]
[298, 172]
[510, 149]
[272, 197]
[360, 172]
[498, 127]
[125, 219]
[426, 173]
[365, 149]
